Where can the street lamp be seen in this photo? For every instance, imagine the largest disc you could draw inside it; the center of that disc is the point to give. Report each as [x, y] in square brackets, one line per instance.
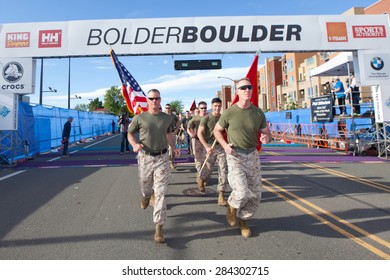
[50, 90]
[233, 81]
[42, 91]
[75, 97]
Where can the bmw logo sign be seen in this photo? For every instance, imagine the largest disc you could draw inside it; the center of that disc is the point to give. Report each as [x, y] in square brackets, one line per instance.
[377, 63]
[12, 72]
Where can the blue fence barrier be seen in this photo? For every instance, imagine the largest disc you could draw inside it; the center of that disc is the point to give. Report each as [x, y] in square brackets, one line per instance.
[41, 128]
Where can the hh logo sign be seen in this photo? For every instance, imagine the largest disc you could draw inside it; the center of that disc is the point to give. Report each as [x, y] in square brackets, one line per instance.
[50, 39]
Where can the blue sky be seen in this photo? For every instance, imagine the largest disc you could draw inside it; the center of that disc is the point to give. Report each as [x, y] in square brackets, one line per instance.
[91, 77]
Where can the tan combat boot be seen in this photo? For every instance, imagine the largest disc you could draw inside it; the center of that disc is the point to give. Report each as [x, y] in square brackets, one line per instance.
[159, 234]
[152, 200]
[200, 183]
[145, 202]
[231, 215]
[245, 230]
[221, 199]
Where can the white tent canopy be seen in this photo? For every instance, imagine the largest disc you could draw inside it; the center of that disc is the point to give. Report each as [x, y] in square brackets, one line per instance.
[340, 65]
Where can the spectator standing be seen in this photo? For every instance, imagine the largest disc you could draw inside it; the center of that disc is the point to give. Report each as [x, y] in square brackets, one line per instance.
[340, 95]
[66, 136]
[124, 122]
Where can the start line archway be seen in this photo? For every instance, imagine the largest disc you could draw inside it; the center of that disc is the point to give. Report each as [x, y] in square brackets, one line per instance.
[367, 36]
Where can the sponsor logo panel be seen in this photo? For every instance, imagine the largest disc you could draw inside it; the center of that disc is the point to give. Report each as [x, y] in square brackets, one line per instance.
[50, 38]
[369, 31]
[17, 39]
[337, 32]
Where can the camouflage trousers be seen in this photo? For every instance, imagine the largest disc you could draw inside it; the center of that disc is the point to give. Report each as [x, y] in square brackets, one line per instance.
[171, 153]
[218, 156]
[245, 180]
[199, 153]
[154, 175]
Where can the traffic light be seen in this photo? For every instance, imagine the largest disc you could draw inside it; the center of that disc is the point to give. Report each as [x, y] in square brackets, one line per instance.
[198, 64]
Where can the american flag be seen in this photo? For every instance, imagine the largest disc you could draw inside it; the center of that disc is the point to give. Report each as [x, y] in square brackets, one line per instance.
[134, 96]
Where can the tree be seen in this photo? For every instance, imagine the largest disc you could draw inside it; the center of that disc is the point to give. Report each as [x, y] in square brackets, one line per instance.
[177, 106]
[81, 107]
[291, 104]
[114, 101]
[94, 104]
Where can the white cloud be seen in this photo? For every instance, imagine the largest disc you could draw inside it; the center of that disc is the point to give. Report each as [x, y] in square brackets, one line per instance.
[185, 86]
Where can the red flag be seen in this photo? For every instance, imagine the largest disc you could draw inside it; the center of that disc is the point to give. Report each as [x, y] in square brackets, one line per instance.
[193, 105]
[252, 76]
[134, 96]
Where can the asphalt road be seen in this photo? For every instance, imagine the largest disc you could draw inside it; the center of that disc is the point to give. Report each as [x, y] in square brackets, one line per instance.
[316, 205]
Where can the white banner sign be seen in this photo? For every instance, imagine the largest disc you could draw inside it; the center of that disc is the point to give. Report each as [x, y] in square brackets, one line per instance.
[8, 112]
[381, 98]
[194, 35]
[16, 75]
[374, 67]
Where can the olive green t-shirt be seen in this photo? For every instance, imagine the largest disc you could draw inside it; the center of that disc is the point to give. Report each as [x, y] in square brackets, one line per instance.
[194, 123]
[209, 122]
[242, 125]
[152, 130]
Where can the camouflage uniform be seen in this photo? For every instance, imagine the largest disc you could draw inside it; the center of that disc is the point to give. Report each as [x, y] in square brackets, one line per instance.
[154, 169]
[197, 147]
[208, 123]
[244, 163]
[154, 174]
[245, 180]
[218, 156]
[199, 153]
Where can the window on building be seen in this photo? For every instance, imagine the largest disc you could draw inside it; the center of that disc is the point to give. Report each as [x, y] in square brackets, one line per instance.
[272, 76]
[290, 65]
[310, 60]
[273, 91]
[291, 80]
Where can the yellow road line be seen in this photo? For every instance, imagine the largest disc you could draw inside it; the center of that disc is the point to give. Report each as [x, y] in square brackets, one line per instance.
[332, 225]
[350, 177]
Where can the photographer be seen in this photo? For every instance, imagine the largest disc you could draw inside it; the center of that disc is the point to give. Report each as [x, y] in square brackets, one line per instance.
[124, 123]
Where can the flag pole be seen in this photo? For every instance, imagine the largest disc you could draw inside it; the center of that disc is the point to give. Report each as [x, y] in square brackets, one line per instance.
[207, 158]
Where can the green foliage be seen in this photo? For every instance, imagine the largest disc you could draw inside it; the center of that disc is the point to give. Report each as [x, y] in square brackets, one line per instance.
[81, 107]
[94, 104]
[177, 106]
[291, 104]
[114, 101]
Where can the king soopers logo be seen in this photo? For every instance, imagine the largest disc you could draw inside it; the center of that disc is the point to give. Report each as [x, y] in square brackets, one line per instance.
[377, 63]
[12, 72]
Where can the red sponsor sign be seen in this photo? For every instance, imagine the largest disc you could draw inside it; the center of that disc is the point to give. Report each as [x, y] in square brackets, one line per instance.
[337, 32]
[17, 40]
[369, 31]
[50, 39]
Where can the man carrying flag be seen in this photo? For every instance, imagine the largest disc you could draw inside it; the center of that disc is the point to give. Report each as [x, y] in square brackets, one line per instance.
[134, 96]
[242, 122]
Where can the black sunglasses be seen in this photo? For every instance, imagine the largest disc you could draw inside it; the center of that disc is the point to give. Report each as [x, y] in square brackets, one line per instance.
[245, 87]
[154, 98]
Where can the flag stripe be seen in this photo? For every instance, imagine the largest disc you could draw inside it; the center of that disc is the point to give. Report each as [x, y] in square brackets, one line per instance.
[134, 96]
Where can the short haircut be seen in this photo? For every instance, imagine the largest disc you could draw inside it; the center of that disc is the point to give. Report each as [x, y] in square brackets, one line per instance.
[243, 79]
[216, 100]
[202, 102]
[154, 90]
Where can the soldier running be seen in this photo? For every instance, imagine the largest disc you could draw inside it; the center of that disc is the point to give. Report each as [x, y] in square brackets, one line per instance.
[155, 133]
[242, 122]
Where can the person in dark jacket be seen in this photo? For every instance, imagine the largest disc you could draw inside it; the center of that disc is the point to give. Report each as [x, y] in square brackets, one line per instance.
[66, 135]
